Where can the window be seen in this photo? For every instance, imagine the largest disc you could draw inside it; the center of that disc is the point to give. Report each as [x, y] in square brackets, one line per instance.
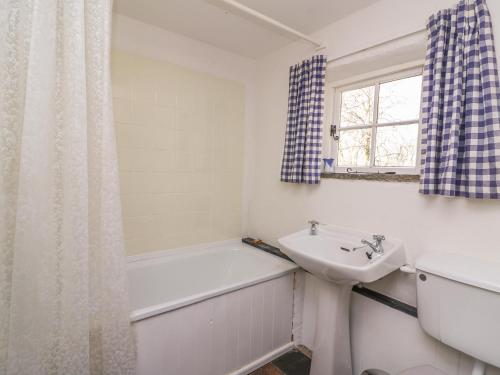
[377, 124]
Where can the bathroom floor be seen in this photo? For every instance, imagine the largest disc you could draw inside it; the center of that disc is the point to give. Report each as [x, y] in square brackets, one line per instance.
[293, 362]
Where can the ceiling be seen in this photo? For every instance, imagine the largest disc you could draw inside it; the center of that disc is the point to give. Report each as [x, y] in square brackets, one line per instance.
[212, 22]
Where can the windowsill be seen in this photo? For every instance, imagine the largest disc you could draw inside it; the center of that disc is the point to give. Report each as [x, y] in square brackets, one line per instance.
[372, 177]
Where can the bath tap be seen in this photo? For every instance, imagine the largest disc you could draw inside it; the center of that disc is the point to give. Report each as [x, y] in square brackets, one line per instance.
[377, 247]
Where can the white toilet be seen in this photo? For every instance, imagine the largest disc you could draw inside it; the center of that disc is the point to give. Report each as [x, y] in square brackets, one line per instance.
[459, 305]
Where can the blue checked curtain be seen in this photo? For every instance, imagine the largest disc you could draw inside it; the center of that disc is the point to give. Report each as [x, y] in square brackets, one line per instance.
[304, 130]
[461, 105]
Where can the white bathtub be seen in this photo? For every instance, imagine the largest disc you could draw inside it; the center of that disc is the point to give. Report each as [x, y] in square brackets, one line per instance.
[210, 310]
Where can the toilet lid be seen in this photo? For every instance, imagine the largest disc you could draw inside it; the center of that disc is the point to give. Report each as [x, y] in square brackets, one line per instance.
[422, 370]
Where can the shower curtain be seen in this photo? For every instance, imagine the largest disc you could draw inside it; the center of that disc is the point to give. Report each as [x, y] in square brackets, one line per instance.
[63, 298]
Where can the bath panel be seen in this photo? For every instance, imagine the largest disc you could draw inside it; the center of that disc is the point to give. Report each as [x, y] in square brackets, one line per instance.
[212, 310]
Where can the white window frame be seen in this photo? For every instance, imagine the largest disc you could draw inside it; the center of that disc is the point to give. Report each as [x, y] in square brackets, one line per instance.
[339, 88]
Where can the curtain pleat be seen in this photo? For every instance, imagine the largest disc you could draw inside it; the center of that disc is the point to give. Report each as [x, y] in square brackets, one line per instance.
[304, 129]
[461, 105]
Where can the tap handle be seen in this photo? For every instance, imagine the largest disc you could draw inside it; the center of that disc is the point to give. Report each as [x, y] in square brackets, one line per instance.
[379, 237]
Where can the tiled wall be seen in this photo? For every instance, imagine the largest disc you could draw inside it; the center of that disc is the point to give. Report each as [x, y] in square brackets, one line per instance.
[180, 151]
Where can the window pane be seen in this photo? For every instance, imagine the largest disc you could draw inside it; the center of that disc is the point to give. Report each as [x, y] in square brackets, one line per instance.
[400, 100]
[357, 107]
[396, 146]
[354, 148]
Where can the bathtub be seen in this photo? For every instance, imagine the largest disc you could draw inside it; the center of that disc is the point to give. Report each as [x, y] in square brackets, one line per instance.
[215, 309]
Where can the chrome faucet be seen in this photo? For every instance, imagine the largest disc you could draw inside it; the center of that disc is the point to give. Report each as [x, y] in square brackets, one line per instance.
[377, 246]
[314, 227]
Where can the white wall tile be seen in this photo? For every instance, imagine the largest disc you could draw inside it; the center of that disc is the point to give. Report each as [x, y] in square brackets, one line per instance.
[181, 167]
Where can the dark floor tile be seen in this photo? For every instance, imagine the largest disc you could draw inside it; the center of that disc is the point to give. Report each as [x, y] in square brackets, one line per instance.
[293, 363]
[305, 350]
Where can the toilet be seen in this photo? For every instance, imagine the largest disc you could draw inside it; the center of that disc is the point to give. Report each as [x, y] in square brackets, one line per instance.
[459, 305]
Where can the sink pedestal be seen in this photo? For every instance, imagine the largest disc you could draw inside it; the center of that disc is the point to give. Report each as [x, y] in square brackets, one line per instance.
[332, 342]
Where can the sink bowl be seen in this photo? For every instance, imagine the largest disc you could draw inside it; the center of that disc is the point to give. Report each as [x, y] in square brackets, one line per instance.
[337, 255]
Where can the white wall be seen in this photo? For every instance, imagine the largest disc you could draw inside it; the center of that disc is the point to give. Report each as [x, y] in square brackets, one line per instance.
[394, 209]
[156, 43]
[159, 44]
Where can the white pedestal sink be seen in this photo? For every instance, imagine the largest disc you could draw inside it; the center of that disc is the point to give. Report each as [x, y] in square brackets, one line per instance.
[334, 255]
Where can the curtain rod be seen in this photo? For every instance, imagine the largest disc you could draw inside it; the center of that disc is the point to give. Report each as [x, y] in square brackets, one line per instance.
[270, 21]
[376, 45]
[319, 46]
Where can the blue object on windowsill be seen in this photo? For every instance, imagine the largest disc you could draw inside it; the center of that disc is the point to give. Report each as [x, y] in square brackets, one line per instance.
[329, 165]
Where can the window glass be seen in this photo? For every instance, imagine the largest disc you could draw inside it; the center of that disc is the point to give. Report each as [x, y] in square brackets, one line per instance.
[400, 100]
[396, 146]
[385, 114]
[354, 148]
[358, 107]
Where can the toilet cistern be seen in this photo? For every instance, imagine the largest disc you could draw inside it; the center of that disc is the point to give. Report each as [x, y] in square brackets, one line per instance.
[447, 283]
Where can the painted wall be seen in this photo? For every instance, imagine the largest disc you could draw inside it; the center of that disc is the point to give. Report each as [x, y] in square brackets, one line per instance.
[394, 209]
[181, 112]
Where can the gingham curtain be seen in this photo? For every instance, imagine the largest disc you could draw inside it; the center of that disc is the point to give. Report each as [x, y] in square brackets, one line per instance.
[461, 105]
[303, 139]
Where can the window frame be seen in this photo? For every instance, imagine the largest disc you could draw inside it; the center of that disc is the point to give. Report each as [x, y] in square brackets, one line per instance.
[376, 80]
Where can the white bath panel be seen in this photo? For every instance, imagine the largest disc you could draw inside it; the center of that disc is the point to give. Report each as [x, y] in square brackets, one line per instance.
[268, 322]
[244, 325]
[219, 335]
[257, 321]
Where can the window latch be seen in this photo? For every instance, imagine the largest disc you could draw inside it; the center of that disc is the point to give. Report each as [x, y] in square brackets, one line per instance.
[333, 132]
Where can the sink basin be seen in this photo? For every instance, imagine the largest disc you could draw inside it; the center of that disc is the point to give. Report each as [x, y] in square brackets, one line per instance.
[334, 254]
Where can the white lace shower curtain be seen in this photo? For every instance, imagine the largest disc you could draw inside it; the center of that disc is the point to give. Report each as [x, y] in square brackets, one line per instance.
[63, 300]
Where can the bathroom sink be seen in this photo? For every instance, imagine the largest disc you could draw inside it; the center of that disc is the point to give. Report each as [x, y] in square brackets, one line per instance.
[339, 259]
[337, 255]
